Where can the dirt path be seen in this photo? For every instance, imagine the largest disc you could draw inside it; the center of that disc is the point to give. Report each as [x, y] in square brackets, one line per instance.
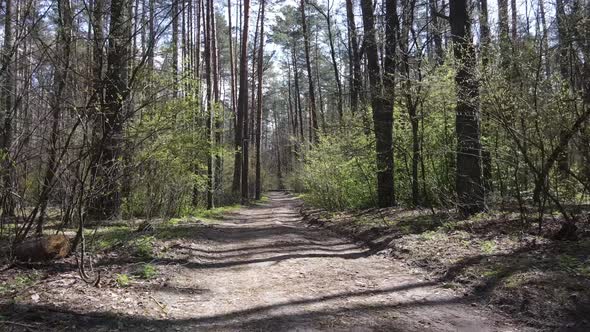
[264, 269]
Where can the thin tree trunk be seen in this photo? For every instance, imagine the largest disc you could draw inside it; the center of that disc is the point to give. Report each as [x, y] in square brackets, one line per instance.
[175, 14]
[320, 95]
[389, 66]
[198, 17]
[504, 33]
[328, 17]
[514, 21]
[234, 105]
[243, 99]
[64, 40]
[545, 37]
[217, 110]
[299, 107]
[291, 113]
[437, 34]
[259, 108]
[252, 110]
[484, 31]
[278, 147]
[312, 101]
[355, 65]
[152, 33]
[209, 83]
[335, 64]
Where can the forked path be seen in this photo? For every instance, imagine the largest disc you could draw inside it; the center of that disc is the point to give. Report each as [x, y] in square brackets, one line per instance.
[264, 269]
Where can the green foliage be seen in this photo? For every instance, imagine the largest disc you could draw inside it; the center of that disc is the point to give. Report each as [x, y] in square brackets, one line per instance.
[525, 121]
[107, 237]
[494, 271]
[144, 246]
[216, 213]
[19, 282]
[574, 265]
[433, 236]
[148, 271]
[436, 136]
[123, 280]
[170, 161]
[488, 247]
[339, 172]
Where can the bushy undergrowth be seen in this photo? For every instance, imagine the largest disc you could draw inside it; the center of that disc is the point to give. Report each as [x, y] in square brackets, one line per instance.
[339, 172]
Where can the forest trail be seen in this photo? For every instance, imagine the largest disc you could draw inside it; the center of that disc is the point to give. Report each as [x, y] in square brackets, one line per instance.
[263, 269]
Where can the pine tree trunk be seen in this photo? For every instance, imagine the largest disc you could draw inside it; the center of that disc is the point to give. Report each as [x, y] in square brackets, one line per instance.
[218, 107]
[355, 65]
[340, 106]
[234, 106]
[175, 14]
[209, 96]
[312, 101]
[243, 99]
[258, 191]
[299, 107]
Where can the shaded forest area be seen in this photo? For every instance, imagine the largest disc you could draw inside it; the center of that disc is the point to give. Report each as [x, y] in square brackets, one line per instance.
[453, 135]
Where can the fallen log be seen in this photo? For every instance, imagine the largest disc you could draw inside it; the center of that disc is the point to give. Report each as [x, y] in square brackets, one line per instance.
[43, 248]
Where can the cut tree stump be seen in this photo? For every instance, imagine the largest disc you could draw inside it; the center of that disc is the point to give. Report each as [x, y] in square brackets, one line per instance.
[43, 248]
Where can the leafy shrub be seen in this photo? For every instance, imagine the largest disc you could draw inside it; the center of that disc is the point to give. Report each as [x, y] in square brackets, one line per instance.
[339, 172]
[148, 271]
[122, 280]
[144, 246]
[488, 247]
[166, 175]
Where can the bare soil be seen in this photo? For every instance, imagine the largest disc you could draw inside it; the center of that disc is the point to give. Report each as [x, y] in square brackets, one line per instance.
[262, 268]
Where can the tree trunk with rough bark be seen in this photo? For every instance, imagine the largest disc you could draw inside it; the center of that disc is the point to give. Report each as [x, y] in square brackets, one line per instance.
[470, 188]
[243, 100]
[382, 115]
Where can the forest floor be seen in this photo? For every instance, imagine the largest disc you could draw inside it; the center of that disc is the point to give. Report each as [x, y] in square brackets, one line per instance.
[495, 258]
[257, 268]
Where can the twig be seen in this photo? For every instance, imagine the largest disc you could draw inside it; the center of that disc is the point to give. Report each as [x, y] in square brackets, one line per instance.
[7, 322]
[159, 304]
[7, 267]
